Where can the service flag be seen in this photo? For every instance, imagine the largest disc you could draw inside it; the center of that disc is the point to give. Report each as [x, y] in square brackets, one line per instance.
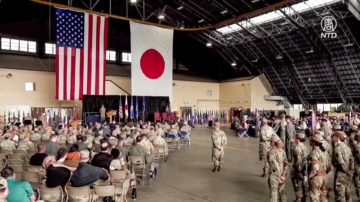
[132, 107]
[126, 107]
[151, 60]
[81, 44]
[137, 107]
[120, 109]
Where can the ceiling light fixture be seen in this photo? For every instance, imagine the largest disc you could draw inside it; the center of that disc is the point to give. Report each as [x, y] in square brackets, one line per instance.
[224, 11]
[180, 7]
[133, 1]
[209, 44]
[254, 60]
[201, 20]
[229, 38]
[254, 1]
[284, 23]
[233, 64]
[161, 16]
[279, 57]
[349, 44]
[325, 13]
[310, 51]
[182, 27]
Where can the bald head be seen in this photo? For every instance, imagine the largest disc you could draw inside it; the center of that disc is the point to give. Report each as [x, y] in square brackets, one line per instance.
[41, 147]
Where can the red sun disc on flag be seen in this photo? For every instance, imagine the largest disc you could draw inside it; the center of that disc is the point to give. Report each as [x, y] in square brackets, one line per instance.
[152, 64]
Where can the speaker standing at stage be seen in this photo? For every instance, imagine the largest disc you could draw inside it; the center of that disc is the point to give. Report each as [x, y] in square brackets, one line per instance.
[102, 113]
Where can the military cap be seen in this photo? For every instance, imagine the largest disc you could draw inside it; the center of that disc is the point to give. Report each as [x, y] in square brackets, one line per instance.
[3, 183]
[319, 132]
[340, 134]
[288, 117]
[84, 154]
[337, 127]
[300, 135]
[264, 120]
[274, 138]
[316, 138]
[6, 135]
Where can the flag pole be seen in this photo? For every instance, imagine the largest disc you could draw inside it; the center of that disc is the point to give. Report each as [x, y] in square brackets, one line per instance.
[143, 110]
[119, 112]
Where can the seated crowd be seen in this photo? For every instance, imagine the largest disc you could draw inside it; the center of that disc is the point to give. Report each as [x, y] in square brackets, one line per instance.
[70, 157]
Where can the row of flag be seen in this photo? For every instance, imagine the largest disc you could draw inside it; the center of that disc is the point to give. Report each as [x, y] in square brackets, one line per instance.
[133, 112]
[199, 117]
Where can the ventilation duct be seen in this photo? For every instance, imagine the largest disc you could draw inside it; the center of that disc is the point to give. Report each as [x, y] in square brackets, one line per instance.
[280, 99]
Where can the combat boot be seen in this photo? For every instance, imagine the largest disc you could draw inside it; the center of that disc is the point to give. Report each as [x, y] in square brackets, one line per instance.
[264, 173]
[215, 167]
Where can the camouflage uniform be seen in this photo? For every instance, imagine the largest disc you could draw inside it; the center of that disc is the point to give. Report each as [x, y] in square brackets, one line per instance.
[8, 144]
[128, 141]
[356, 155]
[301, 153]
[187, 129]
[35, 137]
[282, 129]
[343, 162]
[318, 165]
[45, 137]
[147, 145]
[26, 145]
[161, 141]
[219, 140]
[266, 132]
[277, 161]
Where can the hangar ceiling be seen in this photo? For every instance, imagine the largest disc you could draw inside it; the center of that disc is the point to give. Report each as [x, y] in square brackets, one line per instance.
[222, 39]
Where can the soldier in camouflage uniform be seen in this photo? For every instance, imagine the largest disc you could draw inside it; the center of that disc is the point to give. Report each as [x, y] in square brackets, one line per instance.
[266, 132]
[351, 140]
[219, 140]
[26, 144]
[356, 154]
[128, 140]
[343, 162]
[7, 143]
[282, 127]
[2, 123]
[187, 129]
[36, 136]
[326, 147]
[299, 171]
[319, 165]
[278, 167]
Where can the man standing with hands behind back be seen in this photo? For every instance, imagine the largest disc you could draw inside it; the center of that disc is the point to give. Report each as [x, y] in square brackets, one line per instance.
[219, 140]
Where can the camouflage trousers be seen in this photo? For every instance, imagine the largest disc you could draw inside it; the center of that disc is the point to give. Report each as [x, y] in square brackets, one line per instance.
[342, 187]
[318, 189]
[301, 189]
[277, 190]
[218, 157]
[356, 180]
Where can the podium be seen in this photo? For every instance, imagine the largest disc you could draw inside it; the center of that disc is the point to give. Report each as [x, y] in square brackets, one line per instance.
[110, 114]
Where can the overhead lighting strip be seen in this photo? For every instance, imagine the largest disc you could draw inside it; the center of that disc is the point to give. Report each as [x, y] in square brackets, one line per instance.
[273, 15]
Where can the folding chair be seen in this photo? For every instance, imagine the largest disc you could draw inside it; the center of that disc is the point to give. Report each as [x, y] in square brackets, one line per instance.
[137, 166]
[19, 151]
[104, 191]
[16, 162]
[3, 159]
[182, 135]
[71, 163]
[76, 194]
[171, 144]
[51, 194]
[18, 169]
[6, 151]
[160, 150]
[31, 151]
[15, 156]
[33, 178]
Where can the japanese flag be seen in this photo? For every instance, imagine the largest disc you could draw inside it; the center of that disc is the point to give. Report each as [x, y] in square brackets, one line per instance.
[151, 60]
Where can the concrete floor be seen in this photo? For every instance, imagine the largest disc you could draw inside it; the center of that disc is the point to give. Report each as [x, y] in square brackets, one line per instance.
[188, 177]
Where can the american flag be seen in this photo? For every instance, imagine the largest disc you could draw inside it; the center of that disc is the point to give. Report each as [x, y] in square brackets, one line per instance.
[81, 43]
[120, 109]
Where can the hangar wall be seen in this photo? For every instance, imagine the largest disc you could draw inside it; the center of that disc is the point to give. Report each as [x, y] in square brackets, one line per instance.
[246, 92]
[199, 95]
